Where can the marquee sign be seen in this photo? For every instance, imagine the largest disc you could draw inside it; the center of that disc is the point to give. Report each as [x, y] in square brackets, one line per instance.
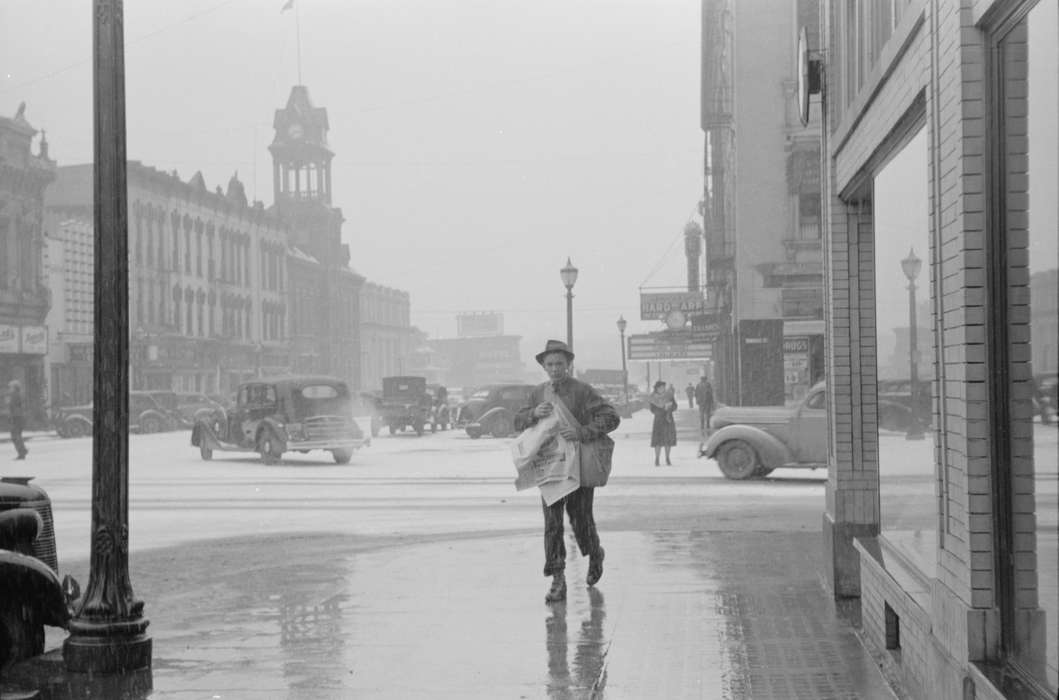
[658, 306]
[672, 345]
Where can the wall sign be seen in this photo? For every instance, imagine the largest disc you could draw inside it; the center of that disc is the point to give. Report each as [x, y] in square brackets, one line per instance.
[34, 340]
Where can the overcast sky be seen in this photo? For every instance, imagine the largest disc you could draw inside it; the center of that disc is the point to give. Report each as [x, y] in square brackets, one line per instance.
[478, 142]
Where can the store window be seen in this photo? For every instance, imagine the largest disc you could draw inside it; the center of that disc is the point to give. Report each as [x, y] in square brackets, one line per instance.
[905, 341]
[1023, 282]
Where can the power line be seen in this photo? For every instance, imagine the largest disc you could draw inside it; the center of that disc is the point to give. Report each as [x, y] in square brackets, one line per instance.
[131, 42]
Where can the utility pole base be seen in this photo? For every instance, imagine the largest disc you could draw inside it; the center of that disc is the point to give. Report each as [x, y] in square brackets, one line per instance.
[106, 653]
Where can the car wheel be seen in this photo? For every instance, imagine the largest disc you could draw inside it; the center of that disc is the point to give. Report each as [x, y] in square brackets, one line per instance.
[474, 434]
[737, 460]
[502, 427]
[762, 472]
[76, 428]
[150, 424]
[205, 451]
[268, 447]
[393, 429]
[342, 455]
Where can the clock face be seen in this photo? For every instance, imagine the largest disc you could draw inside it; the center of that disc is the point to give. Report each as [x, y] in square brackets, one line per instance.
[295, 131]
[675, 319]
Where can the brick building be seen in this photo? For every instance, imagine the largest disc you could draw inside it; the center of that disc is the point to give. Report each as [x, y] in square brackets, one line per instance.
[24, 294]
[966, 606]
[761, 202]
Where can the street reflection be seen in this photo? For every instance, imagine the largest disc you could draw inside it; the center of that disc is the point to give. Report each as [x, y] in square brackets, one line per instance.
[588, 678]
[312, 634]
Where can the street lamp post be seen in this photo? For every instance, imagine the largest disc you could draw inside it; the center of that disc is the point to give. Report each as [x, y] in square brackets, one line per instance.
[911, 267]
[568, 275]
[108, 630]
[622, 323]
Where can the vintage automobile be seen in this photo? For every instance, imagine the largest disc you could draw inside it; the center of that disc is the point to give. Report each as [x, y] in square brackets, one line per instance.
[31, 594]
[405, 403]
[491, 410]
[285, 414]
[145, 416]
[751, 441]
[193, 407]
[897, 411]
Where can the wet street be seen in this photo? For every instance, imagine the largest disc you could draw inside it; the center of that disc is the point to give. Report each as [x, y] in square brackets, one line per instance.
[414, 571]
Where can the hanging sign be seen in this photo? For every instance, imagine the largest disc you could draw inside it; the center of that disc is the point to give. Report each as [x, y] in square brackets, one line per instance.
[9, 339]
[657, 306]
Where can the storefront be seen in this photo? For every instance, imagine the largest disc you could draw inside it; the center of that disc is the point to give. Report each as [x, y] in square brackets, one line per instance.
[22, 351]
[946, 535]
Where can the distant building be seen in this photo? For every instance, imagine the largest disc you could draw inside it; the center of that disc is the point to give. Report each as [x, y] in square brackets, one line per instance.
[477, 361]
[24, 294]
[387, 336]
[69, 264]
[1044, 321]
[761, 202]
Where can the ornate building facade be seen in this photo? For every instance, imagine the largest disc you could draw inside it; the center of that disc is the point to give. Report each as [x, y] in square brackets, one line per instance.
[207, 280]
[24, 294]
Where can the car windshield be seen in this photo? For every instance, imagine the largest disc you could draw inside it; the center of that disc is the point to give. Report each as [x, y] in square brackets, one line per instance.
[166, 400]
[321, 400]
[483, 394]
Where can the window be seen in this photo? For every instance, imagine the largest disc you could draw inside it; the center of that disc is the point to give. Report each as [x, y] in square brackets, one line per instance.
[1022, 280]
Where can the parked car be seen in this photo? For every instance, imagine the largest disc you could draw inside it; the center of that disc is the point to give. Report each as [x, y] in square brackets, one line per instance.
[285, 414]
[1046, 397]
[751, 441]
[169, 402]
[31, 594]
[194, 407]
[404, 403]
[491, 410]
[145, 416]
[896, 408]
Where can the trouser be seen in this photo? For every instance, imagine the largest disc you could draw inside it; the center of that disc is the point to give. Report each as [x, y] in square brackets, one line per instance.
[579, 507]
[16, 436]
[704, 418]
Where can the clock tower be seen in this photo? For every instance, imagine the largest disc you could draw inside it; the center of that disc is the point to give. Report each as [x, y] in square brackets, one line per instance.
[301, 178]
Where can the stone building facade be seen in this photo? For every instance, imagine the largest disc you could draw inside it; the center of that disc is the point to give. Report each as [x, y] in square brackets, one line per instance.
[24, 294]
[387, 336]
[966, 607]
[207, 280]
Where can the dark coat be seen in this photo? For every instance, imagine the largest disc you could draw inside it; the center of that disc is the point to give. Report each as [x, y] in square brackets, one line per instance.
[664, 428]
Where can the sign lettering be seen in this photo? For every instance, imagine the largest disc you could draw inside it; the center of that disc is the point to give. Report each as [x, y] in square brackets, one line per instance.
[656, 306]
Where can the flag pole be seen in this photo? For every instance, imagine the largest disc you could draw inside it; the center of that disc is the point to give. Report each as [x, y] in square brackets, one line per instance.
[298, 39]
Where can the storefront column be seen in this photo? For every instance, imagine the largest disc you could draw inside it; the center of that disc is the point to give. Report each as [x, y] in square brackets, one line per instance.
[852, 494]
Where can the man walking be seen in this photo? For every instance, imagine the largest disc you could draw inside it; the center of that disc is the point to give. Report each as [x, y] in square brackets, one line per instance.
[704, 397]
[596, 418]
[17, 416]
[690, 391]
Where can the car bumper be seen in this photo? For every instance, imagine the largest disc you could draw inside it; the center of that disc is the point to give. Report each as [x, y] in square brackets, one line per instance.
[351, 444]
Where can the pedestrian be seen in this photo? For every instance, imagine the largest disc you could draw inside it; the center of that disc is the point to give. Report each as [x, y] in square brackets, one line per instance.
[17, 416]
[704, 397]
[597, 417]
[663, 403]
[690, 391]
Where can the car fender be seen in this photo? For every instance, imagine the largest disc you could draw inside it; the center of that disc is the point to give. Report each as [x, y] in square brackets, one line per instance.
[31, 581]
[770, 450]
[203, 432]
[493, 413]
[276, 426]
[77, 419]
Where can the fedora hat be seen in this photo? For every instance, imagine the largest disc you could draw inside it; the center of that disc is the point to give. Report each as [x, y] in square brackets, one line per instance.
[555, 346]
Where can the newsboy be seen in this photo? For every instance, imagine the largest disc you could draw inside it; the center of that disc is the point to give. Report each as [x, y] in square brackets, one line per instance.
[596, 417]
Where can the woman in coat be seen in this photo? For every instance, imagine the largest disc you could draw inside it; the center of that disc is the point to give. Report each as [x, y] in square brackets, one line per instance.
[663, 403]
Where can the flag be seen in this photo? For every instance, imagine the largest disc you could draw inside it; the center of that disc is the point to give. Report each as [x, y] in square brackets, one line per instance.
[287, 5]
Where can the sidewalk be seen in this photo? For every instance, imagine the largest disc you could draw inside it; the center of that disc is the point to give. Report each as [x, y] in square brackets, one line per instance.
[678, 614]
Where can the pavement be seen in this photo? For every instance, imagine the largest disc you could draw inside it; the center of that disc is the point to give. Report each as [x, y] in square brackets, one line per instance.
[678, 614]
[416, 573]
